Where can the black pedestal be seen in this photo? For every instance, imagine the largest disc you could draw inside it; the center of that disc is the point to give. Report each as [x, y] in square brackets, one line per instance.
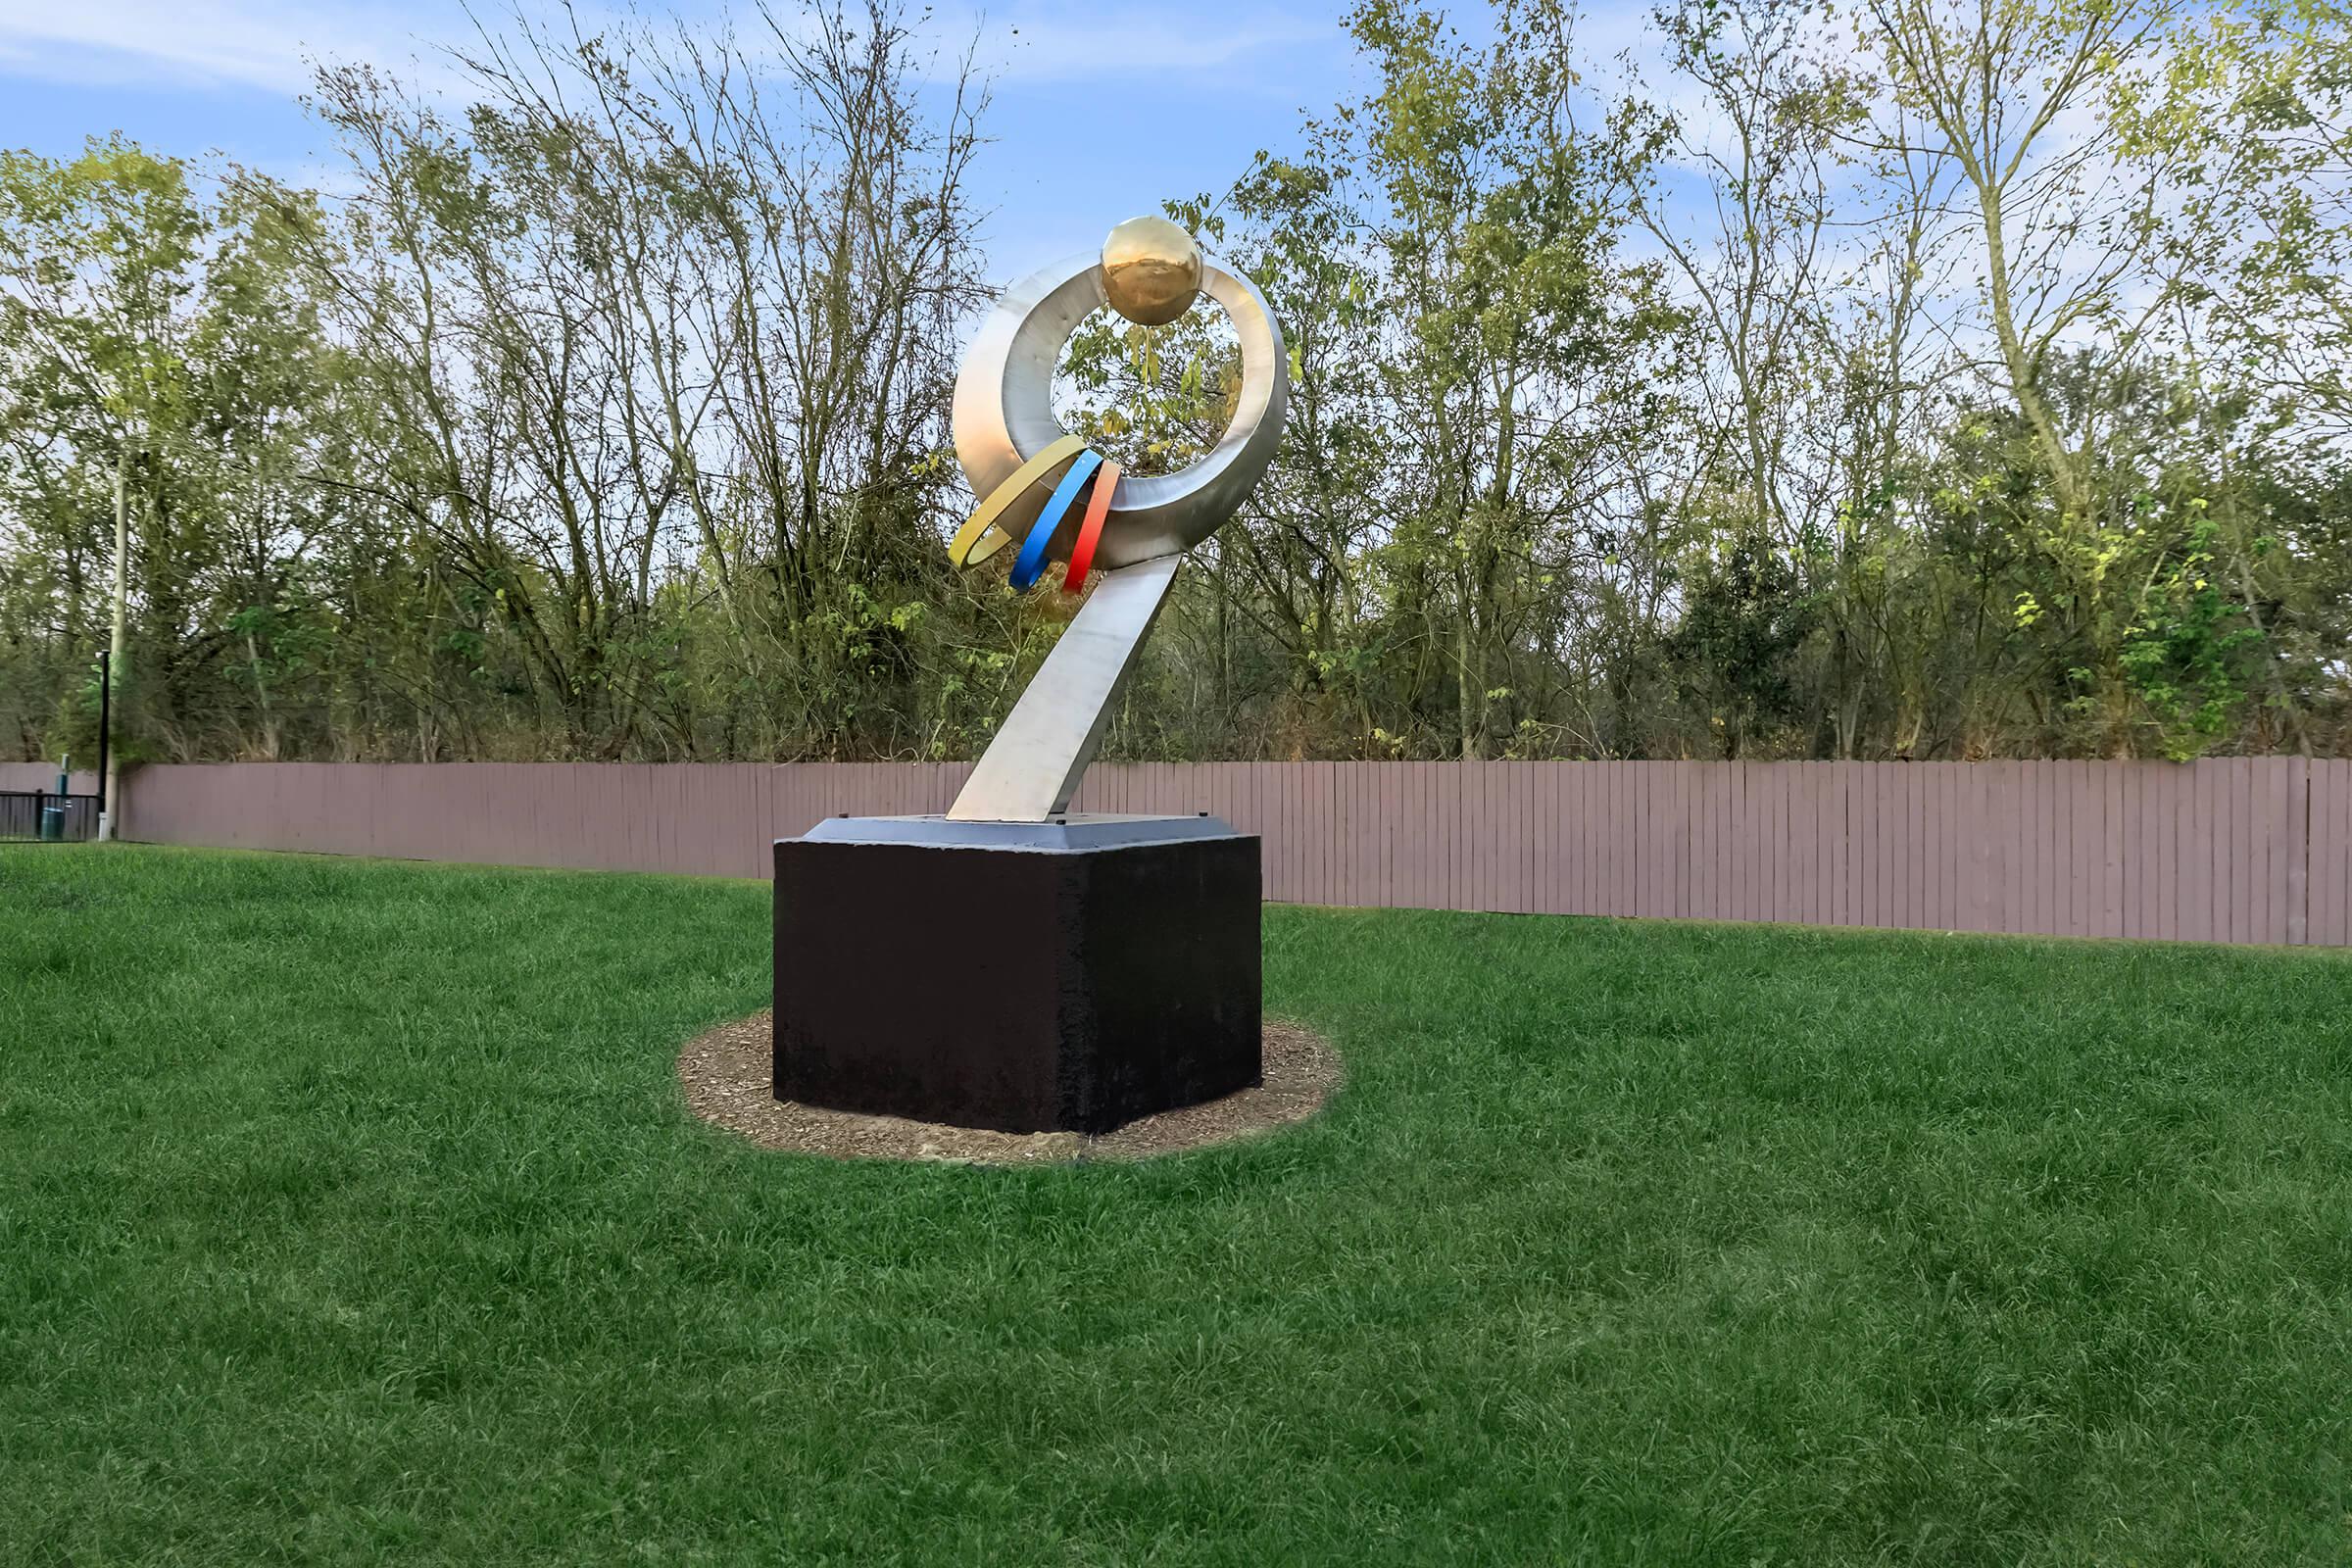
[1028, 977]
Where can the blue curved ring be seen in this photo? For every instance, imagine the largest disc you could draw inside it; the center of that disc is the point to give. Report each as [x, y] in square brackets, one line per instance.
[1030, 564]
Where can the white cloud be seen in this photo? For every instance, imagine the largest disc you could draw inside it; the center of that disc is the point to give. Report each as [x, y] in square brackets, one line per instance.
[1052, 43]
[268, 46]
[195, 43]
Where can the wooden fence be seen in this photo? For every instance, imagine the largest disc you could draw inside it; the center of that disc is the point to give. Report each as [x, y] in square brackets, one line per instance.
[2233, 850]
[43, 776]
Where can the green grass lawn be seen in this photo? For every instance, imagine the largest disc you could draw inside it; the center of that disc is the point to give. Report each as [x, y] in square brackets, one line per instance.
[349, 1212]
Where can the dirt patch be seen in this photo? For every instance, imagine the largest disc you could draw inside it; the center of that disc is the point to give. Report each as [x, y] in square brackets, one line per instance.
[726, 1074]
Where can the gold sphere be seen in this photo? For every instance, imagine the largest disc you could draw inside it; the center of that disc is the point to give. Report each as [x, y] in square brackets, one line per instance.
[1151, 270]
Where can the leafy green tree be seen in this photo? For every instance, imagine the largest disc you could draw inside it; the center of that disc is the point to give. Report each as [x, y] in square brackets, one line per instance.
[98, 259]
[1972, 392]
[1743, 619]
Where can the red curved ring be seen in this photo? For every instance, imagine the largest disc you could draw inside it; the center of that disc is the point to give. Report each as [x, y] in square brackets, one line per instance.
[1098, 508]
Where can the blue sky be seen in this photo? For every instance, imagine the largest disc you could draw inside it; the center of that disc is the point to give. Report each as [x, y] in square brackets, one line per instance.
[1099, 112]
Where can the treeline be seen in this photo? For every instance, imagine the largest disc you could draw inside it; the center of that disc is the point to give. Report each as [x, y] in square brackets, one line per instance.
[1921, 379]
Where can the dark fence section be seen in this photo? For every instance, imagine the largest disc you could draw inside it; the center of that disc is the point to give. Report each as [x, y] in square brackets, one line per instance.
[2232, 850]
[44, 816]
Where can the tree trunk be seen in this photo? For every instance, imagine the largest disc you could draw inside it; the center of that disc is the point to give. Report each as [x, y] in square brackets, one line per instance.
[1466, 687]
[2024, 375]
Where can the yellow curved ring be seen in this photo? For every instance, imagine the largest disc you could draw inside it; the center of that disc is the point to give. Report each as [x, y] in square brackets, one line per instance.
[959, 549]
[993, 540]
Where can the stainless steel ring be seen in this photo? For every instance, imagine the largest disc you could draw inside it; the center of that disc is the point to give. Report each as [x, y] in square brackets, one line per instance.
[1004, 412]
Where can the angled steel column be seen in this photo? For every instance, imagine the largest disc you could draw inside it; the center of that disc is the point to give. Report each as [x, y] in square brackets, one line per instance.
[1032, 768]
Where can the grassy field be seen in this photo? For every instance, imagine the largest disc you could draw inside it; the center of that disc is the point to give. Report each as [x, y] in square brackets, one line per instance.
[349, 1212]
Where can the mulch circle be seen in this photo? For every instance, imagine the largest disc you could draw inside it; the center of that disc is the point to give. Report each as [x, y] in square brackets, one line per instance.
[727, 1077]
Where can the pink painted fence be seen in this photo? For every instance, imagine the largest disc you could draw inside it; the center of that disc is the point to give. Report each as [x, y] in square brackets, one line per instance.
[2233, 850]
[43, 776]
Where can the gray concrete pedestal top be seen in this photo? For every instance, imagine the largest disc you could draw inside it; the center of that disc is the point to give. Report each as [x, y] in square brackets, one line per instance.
[1072, 833]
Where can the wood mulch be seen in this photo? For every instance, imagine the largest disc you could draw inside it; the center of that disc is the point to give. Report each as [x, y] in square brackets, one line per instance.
[727, 1077]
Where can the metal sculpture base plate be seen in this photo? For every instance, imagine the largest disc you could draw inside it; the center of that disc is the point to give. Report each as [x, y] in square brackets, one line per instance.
[1063, 976]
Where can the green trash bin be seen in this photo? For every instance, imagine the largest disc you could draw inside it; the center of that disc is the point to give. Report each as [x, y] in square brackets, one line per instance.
[51, 827]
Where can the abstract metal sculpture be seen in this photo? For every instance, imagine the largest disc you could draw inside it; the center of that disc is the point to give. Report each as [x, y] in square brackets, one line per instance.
[1131, 537]
[1128, 978]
